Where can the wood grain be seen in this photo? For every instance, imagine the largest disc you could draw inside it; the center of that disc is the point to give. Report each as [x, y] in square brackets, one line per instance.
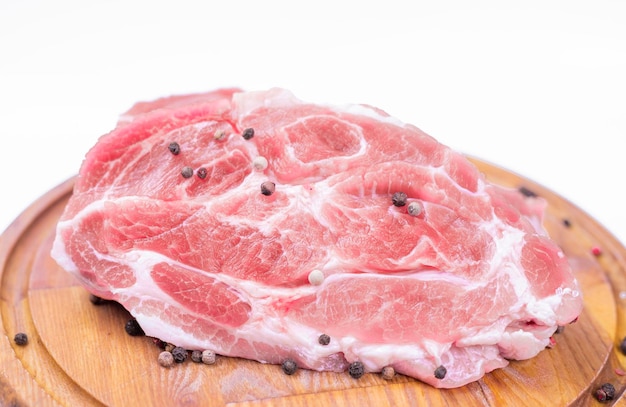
[79, 354]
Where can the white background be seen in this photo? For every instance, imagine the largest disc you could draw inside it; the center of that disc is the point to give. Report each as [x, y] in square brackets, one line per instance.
[538, 87]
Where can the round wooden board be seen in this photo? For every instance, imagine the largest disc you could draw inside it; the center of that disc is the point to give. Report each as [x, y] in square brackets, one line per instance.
[80, 355]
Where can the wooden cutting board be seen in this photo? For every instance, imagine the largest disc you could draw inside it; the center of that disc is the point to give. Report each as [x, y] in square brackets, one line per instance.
[80, 355]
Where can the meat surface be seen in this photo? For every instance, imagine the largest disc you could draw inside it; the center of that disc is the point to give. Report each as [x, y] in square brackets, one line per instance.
[461, 276]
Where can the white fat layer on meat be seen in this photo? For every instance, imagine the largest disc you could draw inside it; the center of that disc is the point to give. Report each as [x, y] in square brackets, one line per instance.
[367, 111]
[86, 211]
[520, 345]
[507, 240]
[59, 253]
[59, 250]
[486, 335]
[153, 326]
[376, 356]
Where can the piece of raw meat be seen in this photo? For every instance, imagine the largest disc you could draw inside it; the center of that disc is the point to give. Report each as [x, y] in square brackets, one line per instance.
[289, 223]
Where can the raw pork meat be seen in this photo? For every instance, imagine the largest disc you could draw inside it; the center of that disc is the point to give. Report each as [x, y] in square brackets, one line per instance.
[461, 276]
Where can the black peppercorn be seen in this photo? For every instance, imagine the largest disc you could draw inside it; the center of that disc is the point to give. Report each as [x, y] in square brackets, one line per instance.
[399, 199]
[606, 392]
[268, 188]
[95, 300]
[289, 366]
[622, 346]
[180, 354]
[248, 133]
[527, 192]
[324, 339]
[567, 223]
[174, 148]
[20, 339]
[202, 173]
[186, 172]
[133, 329]
[440, 372]
[356, 369]
[609, 389]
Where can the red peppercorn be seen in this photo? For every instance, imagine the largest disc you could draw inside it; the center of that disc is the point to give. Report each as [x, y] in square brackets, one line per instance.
[159, 343]
[606, 392]
[596, 251]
